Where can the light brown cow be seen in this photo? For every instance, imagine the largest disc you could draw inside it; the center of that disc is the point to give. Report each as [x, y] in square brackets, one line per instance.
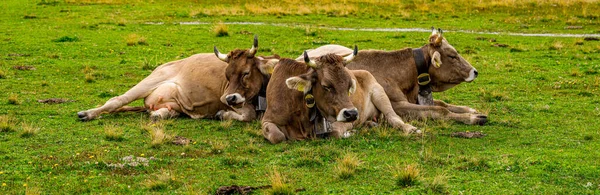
[397, 71]
[341, 96]
[193, 86]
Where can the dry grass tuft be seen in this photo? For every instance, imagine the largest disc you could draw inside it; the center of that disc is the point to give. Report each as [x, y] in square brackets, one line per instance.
[161, 181]
[220, 29]
[347, 166]
[28, 130]
[157, 134]
[135, 39]
[32, 191]
[556, 46]
[113, 133]
[7, 124]
[279, 184]
[218, 147]
[226, 124]
[13, 99]
[2, 74]
[439, 184]
[406, 176]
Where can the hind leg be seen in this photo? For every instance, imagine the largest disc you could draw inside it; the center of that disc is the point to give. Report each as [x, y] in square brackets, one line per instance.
[272, 133]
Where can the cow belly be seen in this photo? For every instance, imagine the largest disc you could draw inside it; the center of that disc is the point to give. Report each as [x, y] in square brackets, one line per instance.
[164, 96]
[368, 111]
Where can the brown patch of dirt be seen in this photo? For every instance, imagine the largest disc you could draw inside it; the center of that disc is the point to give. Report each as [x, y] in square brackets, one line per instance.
[22, 67]
[591, 39]
[181, 140]
[468, 134]
[18, 55]
[55, 101]
[500, 45]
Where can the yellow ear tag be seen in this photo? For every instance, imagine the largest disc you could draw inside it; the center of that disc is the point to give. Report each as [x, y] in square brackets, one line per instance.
[270, 70]
[300, 87]
[349, 93]
[310, 100]
[437, 64]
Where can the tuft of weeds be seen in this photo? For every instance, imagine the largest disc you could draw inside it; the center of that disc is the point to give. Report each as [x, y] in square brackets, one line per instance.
[235, 162]
[439, 185]
[279, 185]
[7, 124]
[157, 134]
[89, 78]
[472, 164]
[135, 39]
[149, 64]
[112, 133]
[406, 176]
[308, 31]
[575, 73]
[226, 124]
[2, 74]
[220, 29]
[13, 99]
[493, 96]
[162, 181]
[556, 46]
[28, 130]
[347, 166]
[32, 190]
[217, 147]
[66, 39]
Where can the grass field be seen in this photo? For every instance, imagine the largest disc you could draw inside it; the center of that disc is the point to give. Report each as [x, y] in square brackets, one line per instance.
[541, 95]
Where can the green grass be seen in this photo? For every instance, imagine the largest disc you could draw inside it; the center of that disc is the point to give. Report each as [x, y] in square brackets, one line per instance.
[540, 93]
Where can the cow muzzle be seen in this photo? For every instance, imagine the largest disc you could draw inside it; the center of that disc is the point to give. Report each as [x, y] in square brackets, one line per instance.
[347, 115]
[234, 99]
[472, 75]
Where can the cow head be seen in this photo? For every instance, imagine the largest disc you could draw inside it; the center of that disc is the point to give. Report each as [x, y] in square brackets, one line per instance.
[330, 84]
[246, 74]
[447, 68]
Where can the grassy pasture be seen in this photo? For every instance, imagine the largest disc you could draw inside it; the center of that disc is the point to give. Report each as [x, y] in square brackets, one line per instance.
[541, 95]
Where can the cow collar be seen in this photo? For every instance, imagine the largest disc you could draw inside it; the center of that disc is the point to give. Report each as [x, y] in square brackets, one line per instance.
[424, 97]
[321, 127]
[261, 100]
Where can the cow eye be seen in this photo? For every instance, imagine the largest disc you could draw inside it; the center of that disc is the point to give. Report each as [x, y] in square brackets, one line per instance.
[453, 57]
[327, 88]
[245, 74]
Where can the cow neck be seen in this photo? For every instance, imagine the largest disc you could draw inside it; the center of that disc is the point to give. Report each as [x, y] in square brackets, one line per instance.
[321, 127]
[423, 79]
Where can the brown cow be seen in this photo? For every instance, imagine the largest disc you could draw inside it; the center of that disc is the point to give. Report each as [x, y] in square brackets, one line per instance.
[340, 95]
[409, 88]
[192, 86]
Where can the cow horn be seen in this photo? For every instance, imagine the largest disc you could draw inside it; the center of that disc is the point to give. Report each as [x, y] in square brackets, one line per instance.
[433, 32]
[439, 37]
[253, 50]
[308, 61]
[219, 55]
[351, 56]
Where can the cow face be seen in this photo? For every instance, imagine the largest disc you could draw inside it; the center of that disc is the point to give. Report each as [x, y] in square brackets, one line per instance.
[245, 73]
[331, 85]
[447, 68]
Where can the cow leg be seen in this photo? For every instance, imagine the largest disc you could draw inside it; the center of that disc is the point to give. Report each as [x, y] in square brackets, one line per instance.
[272, 133]
[246, 114]
[341, 129]
[414, 111]
[383, 104]
[454, 108]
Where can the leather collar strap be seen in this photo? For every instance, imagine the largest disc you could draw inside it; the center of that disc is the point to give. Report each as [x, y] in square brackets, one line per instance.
[425, 97]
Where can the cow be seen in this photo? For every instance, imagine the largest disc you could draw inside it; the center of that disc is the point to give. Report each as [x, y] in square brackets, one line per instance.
[299, 92]
[408, 77]
[196, 86]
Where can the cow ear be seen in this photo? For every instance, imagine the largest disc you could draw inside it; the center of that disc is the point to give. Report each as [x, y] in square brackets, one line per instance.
[299, 83]
[352, 87]
[266, 66]
[436, 59]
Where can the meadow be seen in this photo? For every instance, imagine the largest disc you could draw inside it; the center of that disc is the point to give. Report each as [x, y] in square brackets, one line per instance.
[541, 95]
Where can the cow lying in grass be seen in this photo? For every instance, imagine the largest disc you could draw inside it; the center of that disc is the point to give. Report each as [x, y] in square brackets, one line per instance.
[343, 97]
[408, 77]
[196, 86]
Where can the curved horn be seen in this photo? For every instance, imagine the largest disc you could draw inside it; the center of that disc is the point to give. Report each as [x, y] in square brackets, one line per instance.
[351, 56]
[308, 61]
[433, 32]
[219, 55]
[253, 50]
[439, 37]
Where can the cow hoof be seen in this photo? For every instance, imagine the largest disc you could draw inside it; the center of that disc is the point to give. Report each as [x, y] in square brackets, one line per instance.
[83, 116]
[219, 114]
[481, 119]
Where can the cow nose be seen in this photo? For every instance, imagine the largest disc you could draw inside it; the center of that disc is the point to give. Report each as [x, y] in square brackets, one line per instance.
[476, 73]
[230, 99]
[350, 115]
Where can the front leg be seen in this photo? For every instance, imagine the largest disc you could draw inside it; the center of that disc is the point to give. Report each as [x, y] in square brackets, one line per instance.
[454, 108]
[341, 129]
[245, 113]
